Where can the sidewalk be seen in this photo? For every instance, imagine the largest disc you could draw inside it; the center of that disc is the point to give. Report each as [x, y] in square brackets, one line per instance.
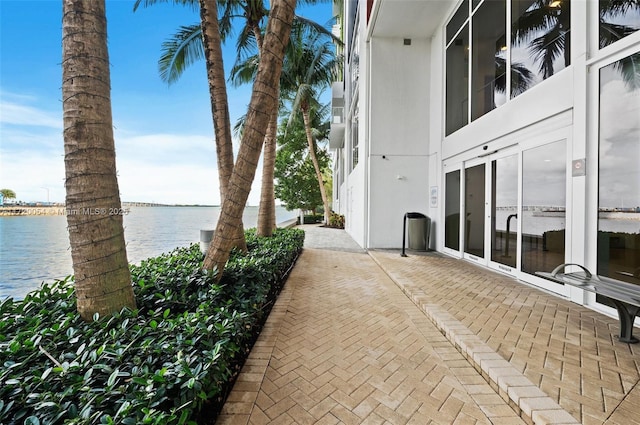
[377, 338]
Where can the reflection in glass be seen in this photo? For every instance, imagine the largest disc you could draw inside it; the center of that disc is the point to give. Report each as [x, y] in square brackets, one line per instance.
[488, 46]
[452, 211]
[474, 210]
[457, 95]
[504, 214]
[543, 207]
[619, 172]
[618, 19]
[459, 19]
[540, 41]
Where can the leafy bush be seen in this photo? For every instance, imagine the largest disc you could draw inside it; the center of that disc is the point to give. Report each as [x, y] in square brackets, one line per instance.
[313, 219]
[336, 220]
[167, 362]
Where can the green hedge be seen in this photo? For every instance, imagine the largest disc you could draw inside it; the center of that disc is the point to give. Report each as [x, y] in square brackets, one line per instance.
[171, 361]
[313, 219]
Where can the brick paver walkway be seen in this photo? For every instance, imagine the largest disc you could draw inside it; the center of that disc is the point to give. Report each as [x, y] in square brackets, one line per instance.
[345, 345]
[360, 338]
[568, 351]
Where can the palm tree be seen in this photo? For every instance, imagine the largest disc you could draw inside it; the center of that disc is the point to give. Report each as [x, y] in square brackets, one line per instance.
[521, 77]
[187, 46]
[210, 47]
[264, 100]
[8, 194]
[297, 183]
[553, 19]
[629, 67]
[96, 234]
[243, 72]
[308, 69]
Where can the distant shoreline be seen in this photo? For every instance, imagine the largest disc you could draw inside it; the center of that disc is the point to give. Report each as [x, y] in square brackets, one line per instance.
[53, 210]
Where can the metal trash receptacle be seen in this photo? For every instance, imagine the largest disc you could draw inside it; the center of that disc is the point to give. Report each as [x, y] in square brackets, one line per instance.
[418, 228]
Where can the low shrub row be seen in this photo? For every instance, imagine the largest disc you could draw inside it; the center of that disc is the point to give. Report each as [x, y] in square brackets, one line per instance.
[313, 219]
[171, 361]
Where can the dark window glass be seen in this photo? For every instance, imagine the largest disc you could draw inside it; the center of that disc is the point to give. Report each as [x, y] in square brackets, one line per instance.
[458, 20]
[457, 96]
[619, 171]
[488, 48]
[618, 19]
[452, 211]
[474, 210]
[504, 194]
[540, 41]
[354, 140]
[543, 207]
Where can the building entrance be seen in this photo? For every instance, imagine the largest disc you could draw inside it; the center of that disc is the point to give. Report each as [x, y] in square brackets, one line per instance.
[508, 211]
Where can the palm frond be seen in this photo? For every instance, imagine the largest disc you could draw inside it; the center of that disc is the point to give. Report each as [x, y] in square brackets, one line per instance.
[146, 3]
[629, 67]
[538, 17]
[244, 72]
[610, 33]
[618, 7]
[238, 128]
[324, 30]
[547, 48]
[179, 52]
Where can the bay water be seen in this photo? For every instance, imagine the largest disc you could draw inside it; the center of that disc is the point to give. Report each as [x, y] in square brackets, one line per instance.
[34, 249]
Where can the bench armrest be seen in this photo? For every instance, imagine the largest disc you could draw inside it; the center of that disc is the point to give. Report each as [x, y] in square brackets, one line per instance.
[561, 267]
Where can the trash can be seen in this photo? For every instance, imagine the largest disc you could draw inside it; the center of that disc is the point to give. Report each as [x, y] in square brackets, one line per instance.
[418, 228]
[205, 239]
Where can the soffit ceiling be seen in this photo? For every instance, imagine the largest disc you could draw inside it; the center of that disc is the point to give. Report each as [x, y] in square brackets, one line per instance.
[409, 18]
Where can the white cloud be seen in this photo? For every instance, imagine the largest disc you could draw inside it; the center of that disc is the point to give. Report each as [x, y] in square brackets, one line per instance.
[162, 168]
[16, 114]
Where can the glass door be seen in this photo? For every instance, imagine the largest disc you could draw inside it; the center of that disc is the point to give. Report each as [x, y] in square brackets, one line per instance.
[475, 210]
[543, 215]
[452, 202]
[504, 225]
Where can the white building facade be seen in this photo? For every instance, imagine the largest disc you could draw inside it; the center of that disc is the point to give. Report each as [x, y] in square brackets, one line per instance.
[514, 125]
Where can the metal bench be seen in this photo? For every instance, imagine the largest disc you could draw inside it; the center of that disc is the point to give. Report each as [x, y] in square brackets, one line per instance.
[625, 296]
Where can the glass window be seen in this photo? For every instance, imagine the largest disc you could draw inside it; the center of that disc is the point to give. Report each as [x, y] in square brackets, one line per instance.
[459, 19]
[452, 211]
[354, 139]
[474, 210]
[488, 47]
[618, 19]
[504, 193]
[540, 41]
[457, 95]
[543, 207]
[619, 171]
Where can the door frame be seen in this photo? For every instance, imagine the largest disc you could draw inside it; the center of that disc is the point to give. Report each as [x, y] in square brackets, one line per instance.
[532, 143]
[494, 265]
[449, 168]
[470, 163]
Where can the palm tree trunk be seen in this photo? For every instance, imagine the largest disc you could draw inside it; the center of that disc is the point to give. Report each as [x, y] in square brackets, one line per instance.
[267, 209]
[258, 35]
[314, 159]
[219, 101]
[96, 233]
[264, 100]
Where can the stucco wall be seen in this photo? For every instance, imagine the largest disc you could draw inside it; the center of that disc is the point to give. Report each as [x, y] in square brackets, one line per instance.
[399, 136]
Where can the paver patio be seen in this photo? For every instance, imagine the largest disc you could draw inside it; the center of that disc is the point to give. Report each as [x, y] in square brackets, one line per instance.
[360, 338]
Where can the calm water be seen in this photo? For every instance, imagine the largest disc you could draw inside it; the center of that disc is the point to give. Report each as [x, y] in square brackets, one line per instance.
[34, 249]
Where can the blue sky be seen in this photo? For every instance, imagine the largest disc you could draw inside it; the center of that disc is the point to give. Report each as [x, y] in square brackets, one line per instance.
[164, 134]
